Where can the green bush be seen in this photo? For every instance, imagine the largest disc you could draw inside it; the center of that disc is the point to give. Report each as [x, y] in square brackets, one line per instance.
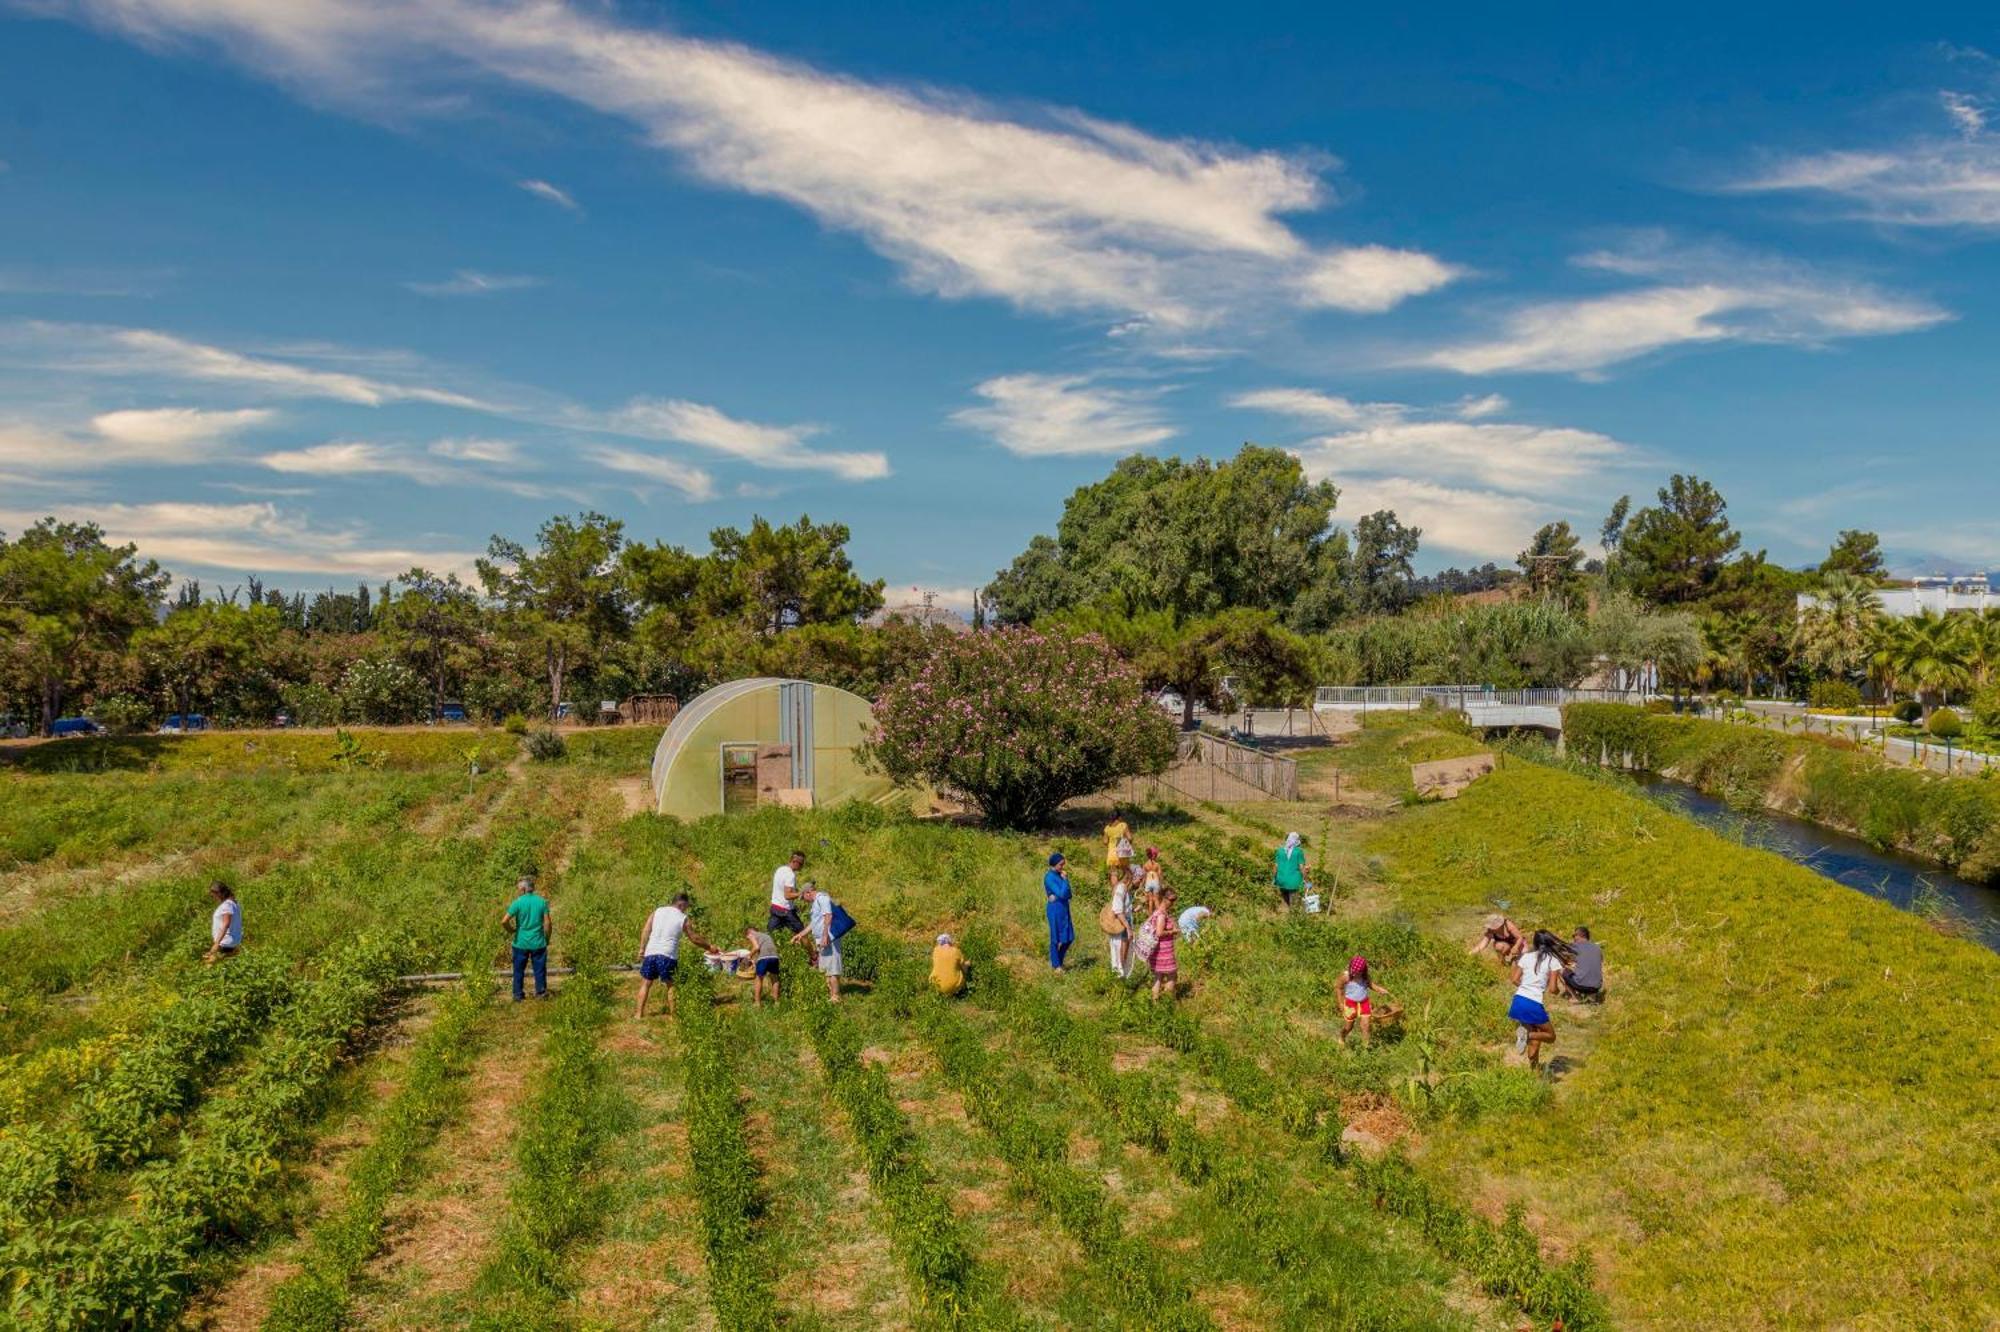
[1945, 724]
[122, 714]
[1909, 710]
[1985, 709]
[1836, 696]
[515, 724]
[546, 745]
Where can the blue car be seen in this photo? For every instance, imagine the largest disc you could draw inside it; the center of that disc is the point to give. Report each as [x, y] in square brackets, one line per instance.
[188, 725]
[453, 712]
[70, 727]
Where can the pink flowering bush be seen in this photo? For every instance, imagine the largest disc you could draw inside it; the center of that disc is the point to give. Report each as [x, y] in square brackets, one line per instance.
[1018, 721]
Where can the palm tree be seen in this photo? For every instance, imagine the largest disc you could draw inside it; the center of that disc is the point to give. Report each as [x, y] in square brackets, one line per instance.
[1834, 634]
[1929, 653]
[1982, 642]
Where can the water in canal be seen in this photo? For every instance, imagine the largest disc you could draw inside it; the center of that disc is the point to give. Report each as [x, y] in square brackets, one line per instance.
[1913, 885]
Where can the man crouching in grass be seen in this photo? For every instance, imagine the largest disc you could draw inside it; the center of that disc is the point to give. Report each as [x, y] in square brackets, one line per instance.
[660, 950]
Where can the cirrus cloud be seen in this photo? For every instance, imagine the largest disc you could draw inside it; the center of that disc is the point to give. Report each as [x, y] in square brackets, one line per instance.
[1040, 416]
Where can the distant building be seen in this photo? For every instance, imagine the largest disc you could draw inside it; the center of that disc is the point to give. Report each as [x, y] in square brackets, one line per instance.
[1938, 595]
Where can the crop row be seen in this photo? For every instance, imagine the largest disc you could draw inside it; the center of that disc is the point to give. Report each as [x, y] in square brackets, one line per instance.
[726, 1180]
[927, 1237]
[318, 1297]
[553, 1200]
[1506, 1259]
[115, 1114]
[136, 1269]
[1132, 1275]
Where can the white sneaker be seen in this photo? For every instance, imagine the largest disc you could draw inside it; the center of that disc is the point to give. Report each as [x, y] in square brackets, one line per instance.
[1520, 1039]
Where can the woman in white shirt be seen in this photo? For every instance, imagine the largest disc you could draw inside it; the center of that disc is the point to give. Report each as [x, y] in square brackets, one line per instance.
[225, 926]
[1535, 971]
[1121, 908]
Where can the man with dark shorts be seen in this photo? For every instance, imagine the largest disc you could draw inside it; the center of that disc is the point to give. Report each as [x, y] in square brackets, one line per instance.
[1584, 976]
[660, 950]
[785, 898]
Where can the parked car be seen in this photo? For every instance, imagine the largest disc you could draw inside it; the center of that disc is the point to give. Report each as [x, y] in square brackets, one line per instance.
[453, 712]
[1171, 701]
[188, 725]
[564, 711]
[67, 728]
[282, 720]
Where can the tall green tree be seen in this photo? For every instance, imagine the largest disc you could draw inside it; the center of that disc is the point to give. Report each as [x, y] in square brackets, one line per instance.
[1382, 570]
[433, 622]
[64, 594]
[1186, 538]
[201, 651]
[1858, 555]
[1553, 561]
[1674, 551]
[1928, 653]
[564, 599]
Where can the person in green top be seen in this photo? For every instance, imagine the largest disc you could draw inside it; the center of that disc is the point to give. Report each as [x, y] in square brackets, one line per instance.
[1290, 873]
[528, 916]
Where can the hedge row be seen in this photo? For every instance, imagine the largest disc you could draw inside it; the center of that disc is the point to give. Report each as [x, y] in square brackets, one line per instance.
[136, 1270]
[1952, 820]
[319, 1297]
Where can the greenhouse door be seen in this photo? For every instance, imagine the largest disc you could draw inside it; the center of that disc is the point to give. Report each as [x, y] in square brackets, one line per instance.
[739, 778]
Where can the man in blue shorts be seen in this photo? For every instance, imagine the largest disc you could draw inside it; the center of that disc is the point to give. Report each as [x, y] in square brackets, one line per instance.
[660, 950]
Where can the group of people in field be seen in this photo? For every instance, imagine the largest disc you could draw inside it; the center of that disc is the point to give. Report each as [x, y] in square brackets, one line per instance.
[1143, 922]
[1541, 965]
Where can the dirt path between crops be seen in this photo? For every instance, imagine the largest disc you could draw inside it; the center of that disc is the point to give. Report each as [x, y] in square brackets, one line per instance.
[437, 1237]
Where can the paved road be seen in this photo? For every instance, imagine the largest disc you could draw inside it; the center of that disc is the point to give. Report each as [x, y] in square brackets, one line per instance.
[1793, 717]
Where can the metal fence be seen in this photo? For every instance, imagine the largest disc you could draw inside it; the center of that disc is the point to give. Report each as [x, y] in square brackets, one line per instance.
[1208, 767]
[1457, 696]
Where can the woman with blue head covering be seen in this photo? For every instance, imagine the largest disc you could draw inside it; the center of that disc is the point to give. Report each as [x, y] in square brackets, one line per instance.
[1062, 932]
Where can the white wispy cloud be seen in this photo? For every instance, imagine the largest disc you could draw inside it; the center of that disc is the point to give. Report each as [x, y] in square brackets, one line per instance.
[471, 282]
[1052, 211]
[249, 538]
[95, 349]
[554, 194]
[353, 458]
[690, 481]
[1065, 415]
[1934, 179]
[158, 436]
[1698, 295]
[504, 452]
[771, 446]
[1476, 486]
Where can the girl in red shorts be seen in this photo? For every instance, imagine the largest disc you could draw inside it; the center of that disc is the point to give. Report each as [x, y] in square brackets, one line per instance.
[1355, 999]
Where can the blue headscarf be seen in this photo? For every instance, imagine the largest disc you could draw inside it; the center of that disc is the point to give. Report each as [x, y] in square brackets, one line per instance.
[1055, 859]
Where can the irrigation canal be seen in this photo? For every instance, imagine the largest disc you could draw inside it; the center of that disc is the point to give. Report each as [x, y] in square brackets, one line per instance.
[1902, 881]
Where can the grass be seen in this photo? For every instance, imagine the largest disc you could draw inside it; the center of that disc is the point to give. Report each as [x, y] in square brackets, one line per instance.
[1785, 1114]
[1783, 1117]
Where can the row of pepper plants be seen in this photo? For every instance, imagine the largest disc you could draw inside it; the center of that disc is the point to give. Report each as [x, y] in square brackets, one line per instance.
[136, 1268]
[115, 1115]
[945, 1282]
[728, 1190]
[320, 1296]
[1141, 1288]
[554, 1199]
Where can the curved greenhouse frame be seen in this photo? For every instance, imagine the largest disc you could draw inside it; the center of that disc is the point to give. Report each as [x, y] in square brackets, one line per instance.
[765, 741]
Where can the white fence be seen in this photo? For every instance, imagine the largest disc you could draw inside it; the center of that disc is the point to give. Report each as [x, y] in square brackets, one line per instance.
[1362, 697]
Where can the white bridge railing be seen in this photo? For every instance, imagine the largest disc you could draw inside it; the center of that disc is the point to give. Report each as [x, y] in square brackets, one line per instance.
[1345, 697]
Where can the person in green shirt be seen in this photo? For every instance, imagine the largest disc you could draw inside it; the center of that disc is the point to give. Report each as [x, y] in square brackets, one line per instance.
[1290, 871]
[528, 916]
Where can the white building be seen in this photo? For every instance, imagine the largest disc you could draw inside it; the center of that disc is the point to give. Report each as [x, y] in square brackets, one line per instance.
[1965, 592]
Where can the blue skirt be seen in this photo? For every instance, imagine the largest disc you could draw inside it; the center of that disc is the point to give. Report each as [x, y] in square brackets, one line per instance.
[1061, 929]
[1527, 1012]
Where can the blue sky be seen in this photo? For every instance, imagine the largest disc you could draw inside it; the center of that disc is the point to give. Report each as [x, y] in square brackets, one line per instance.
[319, 289]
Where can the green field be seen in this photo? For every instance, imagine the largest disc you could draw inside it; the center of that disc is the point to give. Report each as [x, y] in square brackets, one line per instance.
[1784, 1117]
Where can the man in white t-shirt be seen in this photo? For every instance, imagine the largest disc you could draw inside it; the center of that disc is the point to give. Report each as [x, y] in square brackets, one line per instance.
[660, 950]
[785, 896]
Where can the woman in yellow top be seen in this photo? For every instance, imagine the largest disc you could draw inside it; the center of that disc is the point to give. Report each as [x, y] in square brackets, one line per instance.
[1117, 848]
[947, 966]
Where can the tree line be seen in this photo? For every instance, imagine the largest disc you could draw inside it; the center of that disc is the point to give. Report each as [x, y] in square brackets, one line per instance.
[1196, 572]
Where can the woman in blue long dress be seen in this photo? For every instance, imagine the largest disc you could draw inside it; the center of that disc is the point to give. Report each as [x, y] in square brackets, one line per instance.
[1062, 931]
